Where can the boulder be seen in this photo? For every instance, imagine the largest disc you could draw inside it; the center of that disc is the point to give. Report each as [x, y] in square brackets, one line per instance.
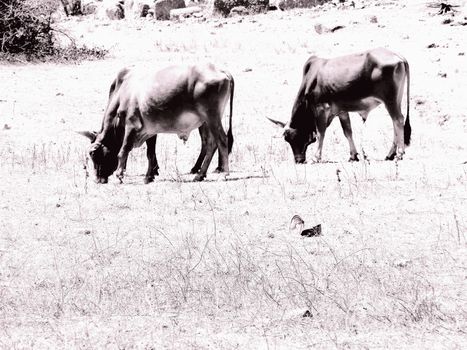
[72, 7]
[163, 8]
[238, 10]
[89, 7]
[137, 8]
[276, 4]
[113, 9]
[178, 14]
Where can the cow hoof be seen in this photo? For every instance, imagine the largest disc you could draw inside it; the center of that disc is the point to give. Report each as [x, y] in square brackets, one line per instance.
[220, 170]
[101, 180]
[199, 178]
[148, 179]
[390, 157]
[354, 158]
[194, 171]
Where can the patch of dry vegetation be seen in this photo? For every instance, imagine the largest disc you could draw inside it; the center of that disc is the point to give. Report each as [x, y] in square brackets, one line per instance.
[28, 32]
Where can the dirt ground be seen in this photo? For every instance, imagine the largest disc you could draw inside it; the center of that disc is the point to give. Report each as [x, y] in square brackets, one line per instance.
[214, 265]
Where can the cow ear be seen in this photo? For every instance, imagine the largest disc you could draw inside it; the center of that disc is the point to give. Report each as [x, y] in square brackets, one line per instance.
[91, 135]
[277, 122]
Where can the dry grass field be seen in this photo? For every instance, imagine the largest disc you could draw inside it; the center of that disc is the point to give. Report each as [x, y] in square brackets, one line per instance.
[214, 265]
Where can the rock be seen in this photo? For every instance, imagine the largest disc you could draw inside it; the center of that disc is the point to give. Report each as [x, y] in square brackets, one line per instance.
[177, 14]
[111, 9]
[238, 10]
[307, 313]
[163, 8]
[89, 7]
[72, 7]
[137, 8]
[336, 28]
[276, 4]
[296, 224]
[318, 28]
[402, 263]
[312, 232]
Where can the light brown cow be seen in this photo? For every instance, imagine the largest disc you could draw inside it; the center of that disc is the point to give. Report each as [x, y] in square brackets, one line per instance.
[353, 83]
[174, 100]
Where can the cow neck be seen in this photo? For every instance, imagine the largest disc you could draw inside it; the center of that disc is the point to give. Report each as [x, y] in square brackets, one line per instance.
[112, 135]
[303, 116]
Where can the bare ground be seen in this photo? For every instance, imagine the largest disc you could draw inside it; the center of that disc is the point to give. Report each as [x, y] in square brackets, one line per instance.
[214, 265]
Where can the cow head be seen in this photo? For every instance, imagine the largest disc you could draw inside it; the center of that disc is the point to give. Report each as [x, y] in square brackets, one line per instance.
[104, 158]
[298, 139]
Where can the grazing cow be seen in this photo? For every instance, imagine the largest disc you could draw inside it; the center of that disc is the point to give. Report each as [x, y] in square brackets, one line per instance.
[353, 83]
[174, 100]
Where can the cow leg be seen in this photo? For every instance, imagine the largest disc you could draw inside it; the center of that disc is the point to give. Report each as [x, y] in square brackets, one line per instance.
[220, 139]
[323, 121]
[203, 133]
[319, 150]
[217, 139]
[210, 149]
[153, 167]
[127, 146]
[223, 164]
[397, 147]
[347, 128]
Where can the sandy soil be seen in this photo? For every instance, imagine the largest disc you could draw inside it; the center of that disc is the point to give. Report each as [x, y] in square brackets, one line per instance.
[214, 265]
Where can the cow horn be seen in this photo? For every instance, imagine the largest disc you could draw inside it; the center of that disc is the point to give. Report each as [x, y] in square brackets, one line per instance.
[277, 122]
[91, 135]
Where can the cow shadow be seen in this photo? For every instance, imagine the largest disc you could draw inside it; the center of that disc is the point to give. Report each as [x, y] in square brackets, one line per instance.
[188, 178]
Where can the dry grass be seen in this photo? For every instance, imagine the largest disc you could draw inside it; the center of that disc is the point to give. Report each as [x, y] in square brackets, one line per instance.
[214, 265]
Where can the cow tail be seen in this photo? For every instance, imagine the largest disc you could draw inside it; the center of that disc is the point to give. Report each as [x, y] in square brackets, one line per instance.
[407, 127]
[230, 138]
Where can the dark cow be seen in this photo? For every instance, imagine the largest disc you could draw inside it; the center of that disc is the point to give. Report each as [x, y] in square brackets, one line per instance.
[353, 83]
[175, 100]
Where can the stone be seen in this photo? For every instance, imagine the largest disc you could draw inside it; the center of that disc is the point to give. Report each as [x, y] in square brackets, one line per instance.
[137, 8]
[89, 7]
[238, 10]
[114, 9]
[72, 7]
[163, 8]
[177, 14]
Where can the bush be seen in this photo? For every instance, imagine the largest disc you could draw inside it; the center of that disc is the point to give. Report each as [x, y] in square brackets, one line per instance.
[26, 29]
[255, 6]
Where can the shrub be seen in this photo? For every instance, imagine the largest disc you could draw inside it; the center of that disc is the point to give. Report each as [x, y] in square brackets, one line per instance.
[255, 6]
[26, 29]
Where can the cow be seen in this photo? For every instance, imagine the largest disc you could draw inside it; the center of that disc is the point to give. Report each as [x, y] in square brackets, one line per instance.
[352, 83]
[177, 99]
